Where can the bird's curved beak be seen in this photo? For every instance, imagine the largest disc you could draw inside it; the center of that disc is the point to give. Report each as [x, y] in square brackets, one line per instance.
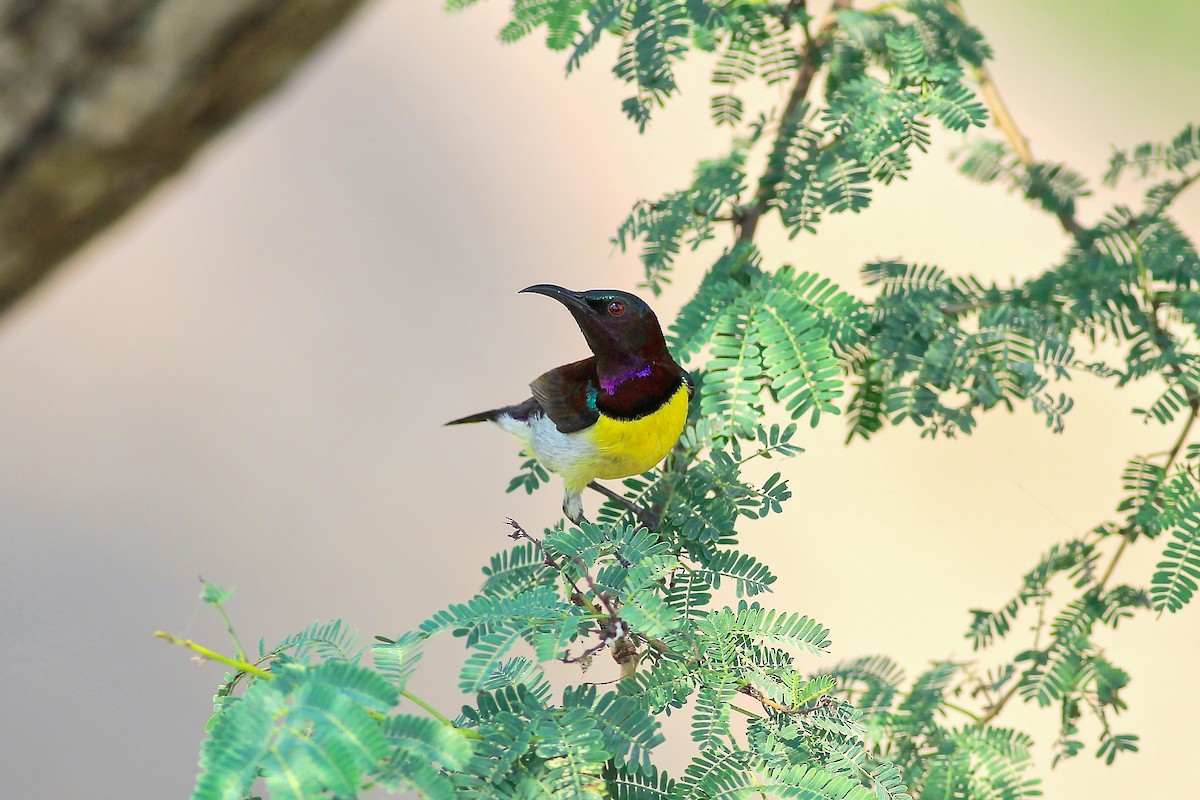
[572, 300]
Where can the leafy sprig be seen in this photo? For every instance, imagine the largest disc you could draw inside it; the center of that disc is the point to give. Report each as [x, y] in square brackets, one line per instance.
[662, 582]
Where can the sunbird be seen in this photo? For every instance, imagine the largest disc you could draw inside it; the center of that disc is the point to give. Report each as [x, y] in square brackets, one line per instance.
[610, 416]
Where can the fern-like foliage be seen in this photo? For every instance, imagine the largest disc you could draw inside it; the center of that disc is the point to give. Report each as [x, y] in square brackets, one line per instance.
[1149, 158]
[685, 217]
[650, 585]
[1076, 558]
[330, 641]
[780, 332]
[1178, 573]
[324, 727]
[531, 476]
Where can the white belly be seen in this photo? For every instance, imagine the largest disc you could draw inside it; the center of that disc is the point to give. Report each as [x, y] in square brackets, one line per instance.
[571, 455]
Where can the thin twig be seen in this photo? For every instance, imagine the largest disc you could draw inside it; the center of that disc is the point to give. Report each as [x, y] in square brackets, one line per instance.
[220, 607]
[1004, 119]
[1172, 456]
[954, 309]
[1181, 440]
[212, 655]
[1112, 565]
[577, 594]
[792, 7]
[430, 710]
[1126, 537]
[745, 711]
[612, 630]
[746, 217]
[248, 668]
[825, 701]
[971, 714]
[648, 519]
[602, 596]
[1043, 596]
[1171, 194]
[995, 710]
[585, 655]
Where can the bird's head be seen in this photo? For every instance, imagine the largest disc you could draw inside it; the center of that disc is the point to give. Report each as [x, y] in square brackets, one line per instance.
[617, 325]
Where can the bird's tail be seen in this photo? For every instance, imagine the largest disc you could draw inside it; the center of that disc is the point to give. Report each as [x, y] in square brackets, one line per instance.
[520, 413]
[482, 416]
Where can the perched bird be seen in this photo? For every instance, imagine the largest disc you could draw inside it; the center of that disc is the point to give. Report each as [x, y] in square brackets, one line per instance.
[610, 416]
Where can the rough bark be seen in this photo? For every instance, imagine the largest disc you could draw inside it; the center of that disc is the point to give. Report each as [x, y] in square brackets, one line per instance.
[102, 99]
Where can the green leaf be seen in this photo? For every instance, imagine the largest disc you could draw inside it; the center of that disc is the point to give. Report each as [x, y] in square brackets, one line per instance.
[710, 718]
[428, 739]
[1112, 744]
[308, 731]
[397, 659]
[798, 358]
[667, 684]
[752, 576]
[685, 217]
[515, 570]
[696, 322]
[629, 731]
[563, 23]
[331, 641]
[1175, 580]
[647, 613]
[956, 106]
[806, 781]
[727, 109]
[527, 16]
[657, 36]
[214, 595]
[1147, 159]
[729, 394]
[628, 785]
[574, 753]
[1053, 678]
[751, 619]
[601, 14]
[532, 476]
[875, 678]
[844, 183]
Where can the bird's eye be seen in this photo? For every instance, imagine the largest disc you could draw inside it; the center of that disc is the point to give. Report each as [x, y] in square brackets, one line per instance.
[616, 308]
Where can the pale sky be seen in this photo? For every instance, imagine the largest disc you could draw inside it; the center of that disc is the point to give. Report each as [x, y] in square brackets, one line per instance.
[246, 378]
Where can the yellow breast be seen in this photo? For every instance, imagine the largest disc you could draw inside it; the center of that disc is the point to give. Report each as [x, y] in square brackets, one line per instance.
[627, 447]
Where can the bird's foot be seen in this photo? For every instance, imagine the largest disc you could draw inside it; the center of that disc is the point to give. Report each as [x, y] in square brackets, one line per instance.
[573, 509]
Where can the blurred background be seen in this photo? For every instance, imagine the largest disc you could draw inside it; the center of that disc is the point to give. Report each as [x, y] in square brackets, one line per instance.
[245, 379]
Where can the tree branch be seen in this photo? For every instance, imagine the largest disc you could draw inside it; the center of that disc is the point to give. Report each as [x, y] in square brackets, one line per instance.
[1126, 538]
[648, 518]
[995, 710]
[746, 217]
[1172, 457]
[825, 701]
[577, 595]
[1004, 119]
[1172, 192]
[93, 125]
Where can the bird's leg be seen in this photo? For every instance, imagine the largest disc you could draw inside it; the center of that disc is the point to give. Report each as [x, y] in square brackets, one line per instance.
[573, 508]
[648, 519]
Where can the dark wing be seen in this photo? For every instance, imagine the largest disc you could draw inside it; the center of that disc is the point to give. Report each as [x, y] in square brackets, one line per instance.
[566, 395]
[690, 384]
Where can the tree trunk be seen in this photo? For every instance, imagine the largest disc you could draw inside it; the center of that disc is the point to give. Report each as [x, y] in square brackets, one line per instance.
[102, 99]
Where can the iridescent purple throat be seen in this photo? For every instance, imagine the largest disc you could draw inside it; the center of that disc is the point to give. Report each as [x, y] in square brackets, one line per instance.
[609, 385]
